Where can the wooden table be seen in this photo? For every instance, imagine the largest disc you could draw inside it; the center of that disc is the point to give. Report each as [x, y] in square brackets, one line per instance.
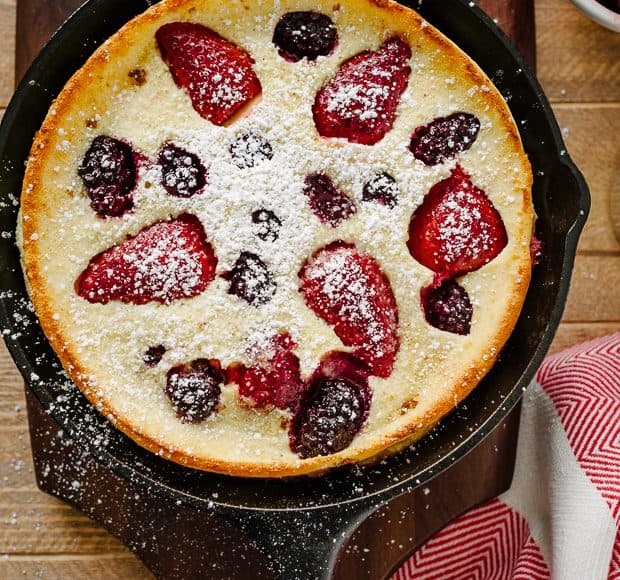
[579, 67]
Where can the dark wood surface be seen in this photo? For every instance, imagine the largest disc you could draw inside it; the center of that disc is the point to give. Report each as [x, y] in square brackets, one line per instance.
[516, 19]
[482, 474]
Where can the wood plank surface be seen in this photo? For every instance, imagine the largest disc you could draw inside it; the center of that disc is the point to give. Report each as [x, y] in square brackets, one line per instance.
[517, 19]
[7, 50]
[594, 295]
[34, 526]
[578, 59]
[570, 334]
[96, 567]
[592, 135]
[579, 67]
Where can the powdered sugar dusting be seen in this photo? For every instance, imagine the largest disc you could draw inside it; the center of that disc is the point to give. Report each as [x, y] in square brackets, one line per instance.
[214, 324]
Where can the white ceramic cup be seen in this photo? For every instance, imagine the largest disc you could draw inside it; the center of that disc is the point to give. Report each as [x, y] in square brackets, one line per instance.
[598, 13]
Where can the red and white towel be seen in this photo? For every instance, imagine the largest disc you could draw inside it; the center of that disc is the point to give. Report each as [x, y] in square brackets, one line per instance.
[561, 517]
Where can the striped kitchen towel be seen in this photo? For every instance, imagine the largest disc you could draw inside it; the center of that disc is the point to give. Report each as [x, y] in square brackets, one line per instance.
[561, 517]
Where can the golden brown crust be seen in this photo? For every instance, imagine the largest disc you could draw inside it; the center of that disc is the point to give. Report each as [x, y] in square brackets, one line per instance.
[33, 207]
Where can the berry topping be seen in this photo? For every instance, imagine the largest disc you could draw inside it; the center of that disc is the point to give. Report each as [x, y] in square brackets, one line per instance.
[251, 280]
[329, 204]
[305, 35]
[274, 377]
[108, 171]
[536, 249]
[345, 365]
[447, 307]
[382, 188]
[183, 174]
[165, 262]
[359, 102]
[153, 355]
[195, 389]
[329, 417]
[249, 150]
[268, 225]
[348, 290]
[216, 73]
[457, 228]
[444, 138]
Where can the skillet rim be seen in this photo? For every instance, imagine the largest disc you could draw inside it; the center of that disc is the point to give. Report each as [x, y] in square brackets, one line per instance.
[503, 407]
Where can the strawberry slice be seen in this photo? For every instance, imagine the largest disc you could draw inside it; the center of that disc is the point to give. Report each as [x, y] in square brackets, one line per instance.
[216, 73]
[274, 377]
[348, 290]
[166, 261]
[457, 228]
[359, 102]
[343, 365]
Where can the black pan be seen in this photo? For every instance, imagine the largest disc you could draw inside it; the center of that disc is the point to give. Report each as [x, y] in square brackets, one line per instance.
[318, 509]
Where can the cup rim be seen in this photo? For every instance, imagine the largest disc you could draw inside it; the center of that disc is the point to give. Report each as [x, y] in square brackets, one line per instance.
[599, 13]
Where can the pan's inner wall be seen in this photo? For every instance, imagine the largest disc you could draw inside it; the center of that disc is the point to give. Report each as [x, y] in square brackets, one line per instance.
[558, 201]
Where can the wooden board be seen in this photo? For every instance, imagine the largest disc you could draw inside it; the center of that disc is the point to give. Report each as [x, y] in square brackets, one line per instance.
[578, 59]
[578, 64]
[592, 134]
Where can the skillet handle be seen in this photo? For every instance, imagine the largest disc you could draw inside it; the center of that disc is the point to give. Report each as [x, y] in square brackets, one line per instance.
[302, 543]
[369, 539]
[388, 536]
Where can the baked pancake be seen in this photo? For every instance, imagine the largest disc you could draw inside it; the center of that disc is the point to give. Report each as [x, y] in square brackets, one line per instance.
[271, 238]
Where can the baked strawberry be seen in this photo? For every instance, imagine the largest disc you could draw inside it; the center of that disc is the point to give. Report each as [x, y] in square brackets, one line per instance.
[348, 290]
[457, 228]
[274, 377]
[330, 204]
[166, 261]
[343, 365]
[359, 102]
[216, 73]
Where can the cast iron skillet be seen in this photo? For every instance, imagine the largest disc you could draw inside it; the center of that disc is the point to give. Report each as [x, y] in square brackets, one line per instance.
[319, 508]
